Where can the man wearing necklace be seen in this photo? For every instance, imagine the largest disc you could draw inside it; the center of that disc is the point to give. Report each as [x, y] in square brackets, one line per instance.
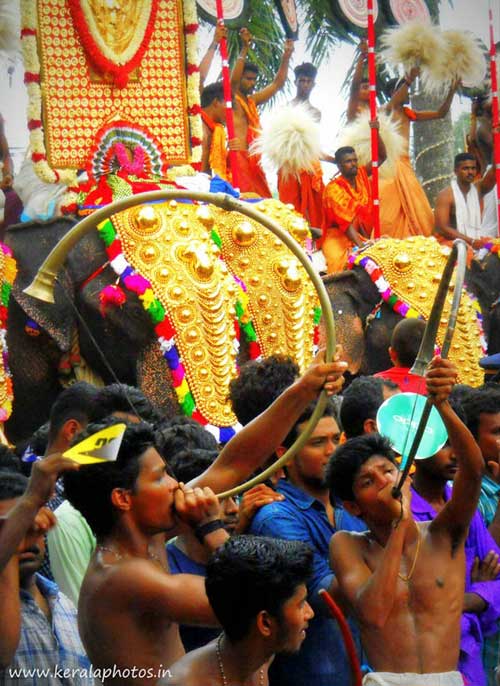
[129, 607]
[405, 581]
[257, 589]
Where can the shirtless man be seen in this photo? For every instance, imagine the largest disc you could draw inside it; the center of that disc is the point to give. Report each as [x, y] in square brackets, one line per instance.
[464, 222]
[271, 575]
[246, 118]
[305, 80]
[129, 606]
[359, 96]
[405, 580]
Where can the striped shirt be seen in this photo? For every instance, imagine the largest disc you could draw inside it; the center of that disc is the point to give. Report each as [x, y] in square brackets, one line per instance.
[50, 652]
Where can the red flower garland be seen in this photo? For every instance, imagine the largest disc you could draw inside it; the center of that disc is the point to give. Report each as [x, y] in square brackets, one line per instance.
[102, 64]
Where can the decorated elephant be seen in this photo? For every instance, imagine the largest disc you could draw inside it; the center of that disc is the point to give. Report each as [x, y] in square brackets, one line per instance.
[394, 278]
[158, 297]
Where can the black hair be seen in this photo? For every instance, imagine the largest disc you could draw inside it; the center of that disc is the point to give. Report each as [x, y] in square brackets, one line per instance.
[484, 401]
[392, 85]
[250, 66]
[348, 459]
[329, 411]
[188, 464]
[182, 433]
[406, 338]
[9, 461]
[89, 489]
[214, 91]
[249, 574]
[461, 393]
[360, 402]
[258, 385]
[340, 153]
[463, 157]
[76, 403]
[305, 69]
[12, 485]
[119, 397]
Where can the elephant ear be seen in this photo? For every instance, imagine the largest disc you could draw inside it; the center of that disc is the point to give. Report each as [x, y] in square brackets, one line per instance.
[31, 243]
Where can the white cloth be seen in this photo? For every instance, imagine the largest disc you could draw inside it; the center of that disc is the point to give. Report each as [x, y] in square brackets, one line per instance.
[489, 224]
[410, 679]
[467, 212]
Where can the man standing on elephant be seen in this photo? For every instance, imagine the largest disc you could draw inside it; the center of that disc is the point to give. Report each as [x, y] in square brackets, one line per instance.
[347, 206]
[459, 206]
[246, 117]
[126, 594]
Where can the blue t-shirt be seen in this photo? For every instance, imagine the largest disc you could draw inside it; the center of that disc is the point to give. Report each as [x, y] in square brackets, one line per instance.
[192, 637]
[322, 659]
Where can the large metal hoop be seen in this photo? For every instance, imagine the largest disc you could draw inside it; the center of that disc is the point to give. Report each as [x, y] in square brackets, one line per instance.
[42, 286]
[457, 255]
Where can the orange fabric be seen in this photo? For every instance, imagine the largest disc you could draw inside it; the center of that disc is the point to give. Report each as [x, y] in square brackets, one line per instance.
[404, 208]
[305, 192]
[411, 114]
[343, 204]
[252, 114]
[250, 173]
[336, 247]
[217, 158]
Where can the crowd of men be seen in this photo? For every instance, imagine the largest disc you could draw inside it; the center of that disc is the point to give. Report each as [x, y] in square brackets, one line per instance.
[133, 571]
[148, 579]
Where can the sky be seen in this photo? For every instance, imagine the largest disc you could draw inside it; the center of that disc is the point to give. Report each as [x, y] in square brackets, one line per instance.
[465, 14]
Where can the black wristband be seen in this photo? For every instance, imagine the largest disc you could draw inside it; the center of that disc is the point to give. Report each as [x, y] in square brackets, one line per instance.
[204, 529]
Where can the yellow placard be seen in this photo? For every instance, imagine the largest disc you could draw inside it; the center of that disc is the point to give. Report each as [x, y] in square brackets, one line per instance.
[103, 446]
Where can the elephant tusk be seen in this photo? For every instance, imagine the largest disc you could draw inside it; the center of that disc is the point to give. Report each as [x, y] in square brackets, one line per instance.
[42, 286]
[425, 354]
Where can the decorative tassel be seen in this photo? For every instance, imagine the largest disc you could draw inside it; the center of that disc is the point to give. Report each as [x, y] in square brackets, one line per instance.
[111, 296]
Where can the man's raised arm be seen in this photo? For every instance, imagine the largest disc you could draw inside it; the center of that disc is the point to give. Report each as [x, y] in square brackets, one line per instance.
[267, 93]
[455, 517]
[357, 77]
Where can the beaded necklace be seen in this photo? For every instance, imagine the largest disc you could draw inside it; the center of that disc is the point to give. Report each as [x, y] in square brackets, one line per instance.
[221, 666]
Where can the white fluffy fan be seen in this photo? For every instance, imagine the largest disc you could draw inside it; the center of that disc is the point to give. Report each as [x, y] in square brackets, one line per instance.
[414, 44]
[462, 59]
[290, 140]
[358, 136]
[443, 56]
[10, 29]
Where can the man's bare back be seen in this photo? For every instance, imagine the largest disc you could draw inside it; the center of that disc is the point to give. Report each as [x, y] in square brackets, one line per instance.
[422, 632]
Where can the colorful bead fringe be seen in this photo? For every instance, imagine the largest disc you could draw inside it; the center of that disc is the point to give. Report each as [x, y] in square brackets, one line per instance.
[164, 329]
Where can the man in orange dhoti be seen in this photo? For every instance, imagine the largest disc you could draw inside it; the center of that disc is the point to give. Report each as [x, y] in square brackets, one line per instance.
[246, 117]
[214, 145]
[347, 207]
[404, 208]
